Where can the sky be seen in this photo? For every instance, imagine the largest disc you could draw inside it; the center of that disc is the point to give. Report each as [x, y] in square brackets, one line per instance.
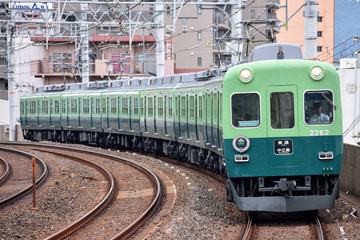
[347, 24]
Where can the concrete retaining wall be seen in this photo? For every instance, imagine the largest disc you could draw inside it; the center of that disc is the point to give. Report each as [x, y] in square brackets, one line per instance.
[350, 171]
[4, 134]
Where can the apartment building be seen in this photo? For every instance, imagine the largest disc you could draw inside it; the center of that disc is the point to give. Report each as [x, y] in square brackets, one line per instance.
[200, 37]
[293, 30]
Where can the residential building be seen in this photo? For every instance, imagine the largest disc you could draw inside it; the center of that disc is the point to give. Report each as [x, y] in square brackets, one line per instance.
[293, 30]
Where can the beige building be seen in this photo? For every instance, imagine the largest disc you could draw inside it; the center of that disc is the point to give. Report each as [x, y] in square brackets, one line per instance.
[294, 31]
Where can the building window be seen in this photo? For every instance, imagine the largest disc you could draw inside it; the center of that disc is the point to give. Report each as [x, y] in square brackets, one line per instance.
[319, 18]
[319, 33]
[199, 35]
[319, 48]
[199, 11]
[168, 10]
[252, 14]
[120, 63]
[61, 62]
[199, 61]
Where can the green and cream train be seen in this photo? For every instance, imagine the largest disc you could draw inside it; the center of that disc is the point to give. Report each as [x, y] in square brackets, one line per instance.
[272, 126]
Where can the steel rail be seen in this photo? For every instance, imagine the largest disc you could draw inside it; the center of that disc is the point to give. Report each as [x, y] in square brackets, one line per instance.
[6, 173]
[136, 224]
[27, 190]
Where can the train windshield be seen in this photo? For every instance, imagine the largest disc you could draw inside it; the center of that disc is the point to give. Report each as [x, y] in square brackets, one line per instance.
[245, 109]
[318, 107]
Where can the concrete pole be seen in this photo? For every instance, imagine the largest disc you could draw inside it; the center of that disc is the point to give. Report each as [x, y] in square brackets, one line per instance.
[310, 26]
[84, 35]
[236, 33]
[159, 36]
[12, 93]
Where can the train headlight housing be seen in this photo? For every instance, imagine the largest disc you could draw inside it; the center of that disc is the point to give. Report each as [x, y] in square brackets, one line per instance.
[246, 75]
[317, 73]
[241, 143]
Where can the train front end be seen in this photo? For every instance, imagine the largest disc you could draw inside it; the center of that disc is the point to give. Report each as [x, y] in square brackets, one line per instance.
[282, 133]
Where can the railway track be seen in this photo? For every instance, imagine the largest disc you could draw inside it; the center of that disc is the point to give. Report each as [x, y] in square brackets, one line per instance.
[5, 171]
[255, 228]
[276, 231]
[116, 197]
[16, 180]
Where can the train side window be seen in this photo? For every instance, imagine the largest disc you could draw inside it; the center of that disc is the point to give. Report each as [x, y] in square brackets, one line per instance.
[319, 107]
[32, 107]
[57, 106]
[282, 110]
[245, 109]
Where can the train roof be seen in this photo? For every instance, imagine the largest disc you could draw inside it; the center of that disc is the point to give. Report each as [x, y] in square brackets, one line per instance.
[133, 83]
[276, 51]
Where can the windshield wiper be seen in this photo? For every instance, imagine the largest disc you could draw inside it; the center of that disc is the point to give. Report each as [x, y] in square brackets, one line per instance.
[328, 100]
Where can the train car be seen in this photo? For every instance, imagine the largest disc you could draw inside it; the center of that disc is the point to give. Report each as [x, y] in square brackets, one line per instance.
[282, 132]
[272, 126]
[176, 115]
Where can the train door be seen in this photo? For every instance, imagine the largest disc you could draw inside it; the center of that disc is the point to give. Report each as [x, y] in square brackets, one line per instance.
[209, 118]
[165, 115]
[67, 107]
[92, 111]
[51, 111]
[107, 101]
[215, 114]
[145, 113]
[78, 109]
[177, 117]
[186, 111]
[24, 112]
[130, 112]
[38, 104]
[118, 109]
[219, 121]
[282, 124]
[155, 113]
[196, 112]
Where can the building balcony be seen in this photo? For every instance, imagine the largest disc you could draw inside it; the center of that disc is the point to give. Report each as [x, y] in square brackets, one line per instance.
[97, 69]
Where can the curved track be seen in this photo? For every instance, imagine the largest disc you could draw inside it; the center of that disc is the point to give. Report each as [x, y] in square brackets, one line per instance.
[6, 171]
[18, 193]
[113, 200]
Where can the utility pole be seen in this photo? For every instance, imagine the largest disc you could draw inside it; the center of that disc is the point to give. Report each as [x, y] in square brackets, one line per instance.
[236, 35]
[310, 26]
[160, 44]
[84, 38]
[12, 93]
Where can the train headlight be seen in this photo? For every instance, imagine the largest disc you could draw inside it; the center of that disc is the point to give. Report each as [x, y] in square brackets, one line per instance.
[317, 73]
[246, 75]
[241, 143]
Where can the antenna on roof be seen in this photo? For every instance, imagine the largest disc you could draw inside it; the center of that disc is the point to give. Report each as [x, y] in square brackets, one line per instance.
[280, 54]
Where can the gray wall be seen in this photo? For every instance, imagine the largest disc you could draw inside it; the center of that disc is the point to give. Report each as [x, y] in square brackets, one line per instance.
[4, 135]
[350, 172]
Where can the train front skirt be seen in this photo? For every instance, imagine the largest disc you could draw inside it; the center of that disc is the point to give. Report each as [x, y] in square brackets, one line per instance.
[284, 203]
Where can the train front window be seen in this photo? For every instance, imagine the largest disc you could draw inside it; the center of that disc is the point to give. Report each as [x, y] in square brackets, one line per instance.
[319, 107]
[282, 110]
[245, 110]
